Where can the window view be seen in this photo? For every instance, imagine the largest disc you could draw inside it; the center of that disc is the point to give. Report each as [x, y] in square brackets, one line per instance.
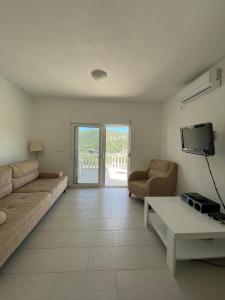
[88, 143]
[90, 165]
[116, 158]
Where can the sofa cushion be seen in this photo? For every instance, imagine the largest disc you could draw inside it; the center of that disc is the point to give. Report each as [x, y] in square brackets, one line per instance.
[19, 207]
[23, 212]
[51, 174]
[53, 186]
[138, 187]
[15, 200]
[17, 204]
[158, 168]
[21, 181]
[24, 172]
[2, 217]
[23, 168]
[5, 181]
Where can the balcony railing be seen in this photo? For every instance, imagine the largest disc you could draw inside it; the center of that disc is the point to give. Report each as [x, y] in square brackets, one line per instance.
[91, 160]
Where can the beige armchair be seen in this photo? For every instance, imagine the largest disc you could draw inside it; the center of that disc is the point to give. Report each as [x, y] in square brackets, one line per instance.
[158, 180]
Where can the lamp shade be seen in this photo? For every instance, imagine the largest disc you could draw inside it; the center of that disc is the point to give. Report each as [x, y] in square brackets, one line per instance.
[36, 146]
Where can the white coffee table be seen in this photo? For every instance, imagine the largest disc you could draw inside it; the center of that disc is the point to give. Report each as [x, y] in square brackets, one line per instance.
[186, 233]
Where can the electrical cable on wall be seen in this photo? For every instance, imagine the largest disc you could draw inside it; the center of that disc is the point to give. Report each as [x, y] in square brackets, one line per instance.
[214, 183]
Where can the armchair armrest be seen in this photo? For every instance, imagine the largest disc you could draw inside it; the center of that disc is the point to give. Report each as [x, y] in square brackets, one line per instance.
[137, 175]
[50, 174]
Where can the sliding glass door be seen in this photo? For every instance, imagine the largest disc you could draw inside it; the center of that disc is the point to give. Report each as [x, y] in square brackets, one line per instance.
[116, 155]
[101, 154]
[88, 158]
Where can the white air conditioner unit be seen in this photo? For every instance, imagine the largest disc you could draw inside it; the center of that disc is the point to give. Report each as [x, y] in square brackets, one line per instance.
[207, 82]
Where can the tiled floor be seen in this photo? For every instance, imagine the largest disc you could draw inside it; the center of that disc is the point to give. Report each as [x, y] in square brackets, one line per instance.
[92, 245]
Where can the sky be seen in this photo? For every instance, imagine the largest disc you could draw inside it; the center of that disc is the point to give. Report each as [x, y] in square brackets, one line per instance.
[122, 129]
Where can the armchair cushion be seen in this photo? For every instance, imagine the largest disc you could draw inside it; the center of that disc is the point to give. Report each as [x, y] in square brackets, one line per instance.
[158, 168]
[138, 187]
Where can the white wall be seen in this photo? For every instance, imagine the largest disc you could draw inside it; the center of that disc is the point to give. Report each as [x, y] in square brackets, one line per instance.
[15, 114]
[193, 173]
[52, 125]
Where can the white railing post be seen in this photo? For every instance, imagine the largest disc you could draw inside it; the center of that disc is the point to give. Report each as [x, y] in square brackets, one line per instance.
[117, 161]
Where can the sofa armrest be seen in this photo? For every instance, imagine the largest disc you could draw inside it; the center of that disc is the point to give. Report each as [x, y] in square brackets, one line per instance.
[50, 174]
[137, 175]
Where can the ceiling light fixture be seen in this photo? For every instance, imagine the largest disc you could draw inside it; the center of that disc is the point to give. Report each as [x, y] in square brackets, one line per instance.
[98, 74]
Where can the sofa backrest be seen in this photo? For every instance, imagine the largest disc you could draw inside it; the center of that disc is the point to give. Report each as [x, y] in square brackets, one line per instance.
[159, 167]
[24, 172]
[5, 181]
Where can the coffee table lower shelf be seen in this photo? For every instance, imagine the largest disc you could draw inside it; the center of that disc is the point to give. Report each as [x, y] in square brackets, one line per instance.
[186, 247]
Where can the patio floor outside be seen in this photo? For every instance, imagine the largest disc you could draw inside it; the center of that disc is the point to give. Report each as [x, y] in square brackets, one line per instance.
[113, 176]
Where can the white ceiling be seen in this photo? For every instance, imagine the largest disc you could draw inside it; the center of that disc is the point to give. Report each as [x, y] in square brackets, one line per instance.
[149, 48]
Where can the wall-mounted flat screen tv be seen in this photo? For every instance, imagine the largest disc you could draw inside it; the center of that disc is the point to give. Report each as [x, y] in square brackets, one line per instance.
[198, 139]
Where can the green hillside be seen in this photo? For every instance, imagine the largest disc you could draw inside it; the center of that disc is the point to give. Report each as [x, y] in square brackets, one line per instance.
[116, 142]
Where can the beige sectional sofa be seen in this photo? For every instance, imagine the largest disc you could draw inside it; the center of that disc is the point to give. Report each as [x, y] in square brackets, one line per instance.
[25, 196]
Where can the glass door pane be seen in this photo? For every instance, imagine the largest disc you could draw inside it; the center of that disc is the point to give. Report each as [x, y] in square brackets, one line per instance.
[117, 155]
[87, 140]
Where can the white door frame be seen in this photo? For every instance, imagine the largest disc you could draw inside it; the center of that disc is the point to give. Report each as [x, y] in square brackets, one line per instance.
[102, 152]
[75, 152]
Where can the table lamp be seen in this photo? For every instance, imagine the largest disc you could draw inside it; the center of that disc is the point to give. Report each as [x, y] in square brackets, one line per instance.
[36, 146]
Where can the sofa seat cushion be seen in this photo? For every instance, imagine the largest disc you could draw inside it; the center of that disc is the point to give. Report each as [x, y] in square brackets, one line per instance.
[5, 181]
[138, 187]
[15, 200]
[51, 185]
[20, 209]
[21, 206]
[3, 217]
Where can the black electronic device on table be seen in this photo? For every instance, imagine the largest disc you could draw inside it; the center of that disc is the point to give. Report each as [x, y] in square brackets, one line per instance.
[218, 216]
[200, 203]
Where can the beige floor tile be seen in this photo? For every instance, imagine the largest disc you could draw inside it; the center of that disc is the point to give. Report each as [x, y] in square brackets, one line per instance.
[90, 224]
[21, 261]
[200, 281]
[68, 239]
[25, 286]
[155, 284]
[97, 205]
[55, 214]
[44, 239]
[115, 201]
[90, 238]
[84, 286]
[48, 260]
[139, 237]
[126, 257]
[62, 259]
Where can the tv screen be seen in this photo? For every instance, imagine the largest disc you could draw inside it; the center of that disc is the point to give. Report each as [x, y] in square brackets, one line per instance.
[198, 139]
